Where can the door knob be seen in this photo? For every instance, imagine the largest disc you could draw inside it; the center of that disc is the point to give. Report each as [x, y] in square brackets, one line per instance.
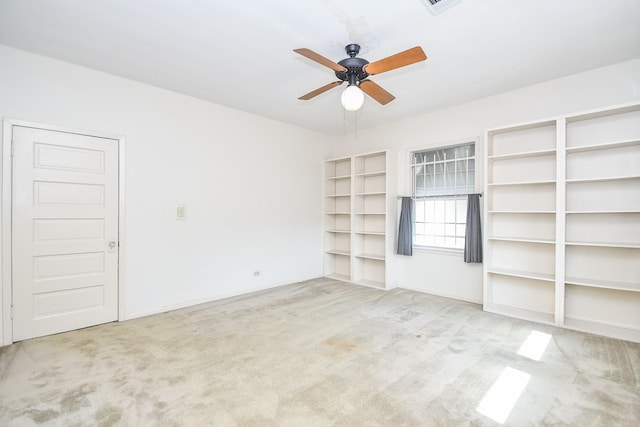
[112, 245]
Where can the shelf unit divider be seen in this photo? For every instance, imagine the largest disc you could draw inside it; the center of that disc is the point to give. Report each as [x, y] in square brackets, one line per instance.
[561, 201]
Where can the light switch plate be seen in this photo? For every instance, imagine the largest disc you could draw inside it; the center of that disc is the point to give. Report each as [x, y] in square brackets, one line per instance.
[181, 212]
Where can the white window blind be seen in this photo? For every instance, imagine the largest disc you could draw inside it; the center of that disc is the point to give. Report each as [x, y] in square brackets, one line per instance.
[442, 178]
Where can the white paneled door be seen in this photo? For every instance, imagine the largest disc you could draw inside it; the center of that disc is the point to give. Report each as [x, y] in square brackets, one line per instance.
[64, 232]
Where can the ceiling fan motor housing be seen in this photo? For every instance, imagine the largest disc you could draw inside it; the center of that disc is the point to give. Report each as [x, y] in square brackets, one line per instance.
[354, 66]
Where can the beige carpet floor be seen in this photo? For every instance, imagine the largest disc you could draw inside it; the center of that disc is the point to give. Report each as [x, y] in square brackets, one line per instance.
[322, 353]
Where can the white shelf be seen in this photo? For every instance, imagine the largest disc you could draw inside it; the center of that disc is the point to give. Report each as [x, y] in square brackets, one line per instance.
[520, 313]
[338, 195]
[522, 240]
[515, 183]
[376, 173]
[521, 212]
[606, 245]
[370, 283]
[523, 274]
[606, 112]
[371, 256]
[604, 179]
[371, 233]
[621, 332]
[333, 178]
[603, 310]
[341, 253]
[372, 163]
[603, 146]
[339, 231]
[372, 193]
[522, 155]
[338, 213]
[604, 284]
[371, 213]
[619, 211]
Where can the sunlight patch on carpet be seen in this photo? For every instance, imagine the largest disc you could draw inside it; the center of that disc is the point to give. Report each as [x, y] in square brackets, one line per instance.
[535, 345]
[503, 395]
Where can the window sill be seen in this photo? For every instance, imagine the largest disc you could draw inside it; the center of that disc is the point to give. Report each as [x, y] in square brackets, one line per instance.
[438, 250]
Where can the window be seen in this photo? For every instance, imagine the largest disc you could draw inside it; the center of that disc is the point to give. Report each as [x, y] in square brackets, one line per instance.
[442, 178]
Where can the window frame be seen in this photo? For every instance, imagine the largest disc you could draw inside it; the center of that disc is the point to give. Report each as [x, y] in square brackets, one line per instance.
[412, 189]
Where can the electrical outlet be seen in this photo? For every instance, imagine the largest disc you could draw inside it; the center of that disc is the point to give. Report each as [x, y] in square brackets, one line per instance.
[437, 6]
[256, 273]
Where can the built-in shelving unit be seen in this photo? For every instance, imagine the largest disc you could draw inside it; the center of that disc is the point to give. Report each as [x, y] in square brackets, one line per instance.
[562, 221]
[602, 282]
[359, 220]
[337, 206]
[520, 221]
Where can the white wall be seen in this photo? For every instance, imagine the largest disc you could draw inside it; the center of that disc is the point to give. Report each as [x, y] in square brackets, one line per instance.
[252, 186]
[445, 273]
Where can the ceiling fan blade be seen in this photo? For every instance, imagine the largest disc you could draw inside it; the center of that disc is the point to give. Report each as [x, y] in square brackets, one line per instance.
[320, 59]
[320, 90]
[408, 57]
[376, 92]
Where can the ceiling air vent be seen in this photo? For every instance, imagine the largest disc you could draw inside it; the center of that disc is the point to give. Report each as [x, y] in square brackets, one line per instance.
[437, 6]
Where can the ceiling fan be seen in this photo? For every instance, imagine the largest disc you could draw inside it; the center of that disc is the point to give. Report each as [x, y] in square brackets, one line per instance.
[355, 71]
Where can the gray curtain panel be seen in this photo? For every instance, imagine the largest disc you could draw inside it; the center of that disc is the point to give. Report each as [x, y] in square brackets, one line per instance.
[473, 232]
[405, 231]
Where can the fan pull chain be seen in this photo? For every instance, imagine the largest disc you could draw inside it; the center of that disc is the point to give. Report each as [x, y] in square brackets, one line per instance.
[355, 126]
[344, 121]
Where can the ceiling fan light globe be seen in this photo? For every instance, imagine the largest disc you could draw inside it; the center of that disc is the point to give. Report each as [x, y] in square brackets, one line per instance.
[352, 98]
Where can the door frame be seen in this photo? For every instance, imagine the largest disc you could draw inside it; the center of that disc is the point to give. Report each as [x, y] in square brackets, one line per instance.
[6, 320]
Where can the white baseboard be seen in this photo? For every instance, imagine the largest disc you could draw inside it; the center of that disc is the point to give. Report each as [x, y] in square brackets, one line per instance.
[164, 309]
[441, 294]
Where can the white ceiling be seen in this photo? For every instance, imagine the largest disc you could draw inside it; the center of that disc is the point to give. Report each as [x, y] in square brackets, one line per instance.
[240, 53]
